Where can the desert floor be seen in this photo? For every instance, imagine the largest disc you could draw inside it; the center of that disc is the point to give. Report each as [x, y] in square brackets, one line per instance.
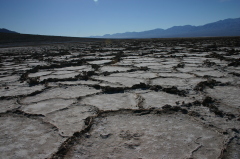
[136, 99]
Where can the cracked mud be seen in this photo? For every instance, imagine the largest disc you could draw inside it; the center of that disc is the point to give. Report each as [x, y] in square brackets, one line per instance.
[157, 98]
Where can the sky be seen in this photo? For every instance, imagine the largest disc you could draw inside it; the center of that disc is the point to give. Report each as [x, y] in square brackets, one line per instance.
[83, 18]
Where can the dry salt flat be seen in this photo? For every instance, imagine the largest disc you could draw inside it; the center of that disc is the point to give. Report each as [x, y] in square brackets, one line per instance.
[168, 98]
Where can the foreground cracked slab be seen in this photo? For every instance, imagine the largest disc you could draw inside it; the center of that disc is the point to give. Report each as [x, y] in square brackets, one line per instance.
[70, 120]
[22, 137]
[148, 136]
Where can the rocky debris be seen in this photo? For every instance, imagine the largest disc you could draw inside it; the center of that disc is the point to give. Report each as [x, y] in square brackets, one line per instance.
[174, 90]
[208, 63]
[145, 98]
[209, 83]
[180, 65]
[235, 73]
[235, 63]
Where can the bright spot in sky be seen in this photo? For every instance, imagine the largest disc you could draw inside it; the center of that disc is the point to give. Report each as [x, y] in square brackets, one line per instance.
[95, 0]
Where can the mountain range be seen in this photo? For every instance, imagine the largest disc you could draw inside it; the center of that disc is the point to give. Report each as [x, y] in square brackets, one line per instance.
[227, 27]
[3, 30]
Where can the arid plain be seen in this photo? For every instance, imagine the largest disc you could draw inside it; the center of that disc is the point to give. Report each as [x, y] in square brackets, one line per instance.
[145, 98]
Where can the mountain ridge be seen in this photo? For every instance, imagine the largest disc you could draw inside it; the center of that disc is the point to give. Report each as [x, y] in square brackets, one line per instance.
[226, 27]
[3, 30]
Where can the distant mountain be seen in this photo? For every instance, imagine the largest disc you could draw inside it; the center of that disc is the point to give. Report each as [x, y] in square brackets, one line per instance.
[3, 30]
[227, 27]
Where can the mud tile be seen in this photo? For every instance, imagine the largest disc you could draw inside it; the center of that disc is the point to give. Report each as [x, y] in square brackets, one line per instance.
[69, 92]
[99, 62]
[114, 69]
[160, 99]
[47, 106]
[148, 136]
[112, 101]
[126, 81]
[70, 120]
[6, 105]
[19, 90]
[23, 137]
[228, 96]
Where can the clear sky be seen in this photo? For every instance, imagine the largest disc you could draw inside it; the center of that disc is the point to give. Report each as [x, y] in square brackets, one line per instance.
[81, 18]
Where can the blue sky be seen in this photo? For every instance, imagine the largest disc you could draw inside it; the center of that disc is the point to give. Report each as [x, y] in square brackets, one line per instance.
[81, 18]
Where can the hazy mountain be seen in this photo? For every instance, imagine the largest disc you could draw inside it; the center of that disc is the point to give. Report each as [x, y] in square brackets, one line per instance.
[3, 30]
[227, 27]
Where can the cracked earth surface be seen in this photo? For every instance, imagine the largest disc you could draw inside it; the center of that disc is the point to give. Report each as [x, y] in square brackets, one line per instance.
[157, 98]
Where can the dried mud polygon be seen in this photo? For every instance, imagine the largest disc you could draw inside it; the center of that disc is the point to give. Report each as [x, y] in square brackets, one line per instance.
[148, 136]
[23, 137]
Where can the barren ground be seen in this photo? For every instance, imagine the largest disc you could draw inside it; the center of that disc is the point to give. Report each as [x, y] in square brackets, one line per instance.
[157, 98]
